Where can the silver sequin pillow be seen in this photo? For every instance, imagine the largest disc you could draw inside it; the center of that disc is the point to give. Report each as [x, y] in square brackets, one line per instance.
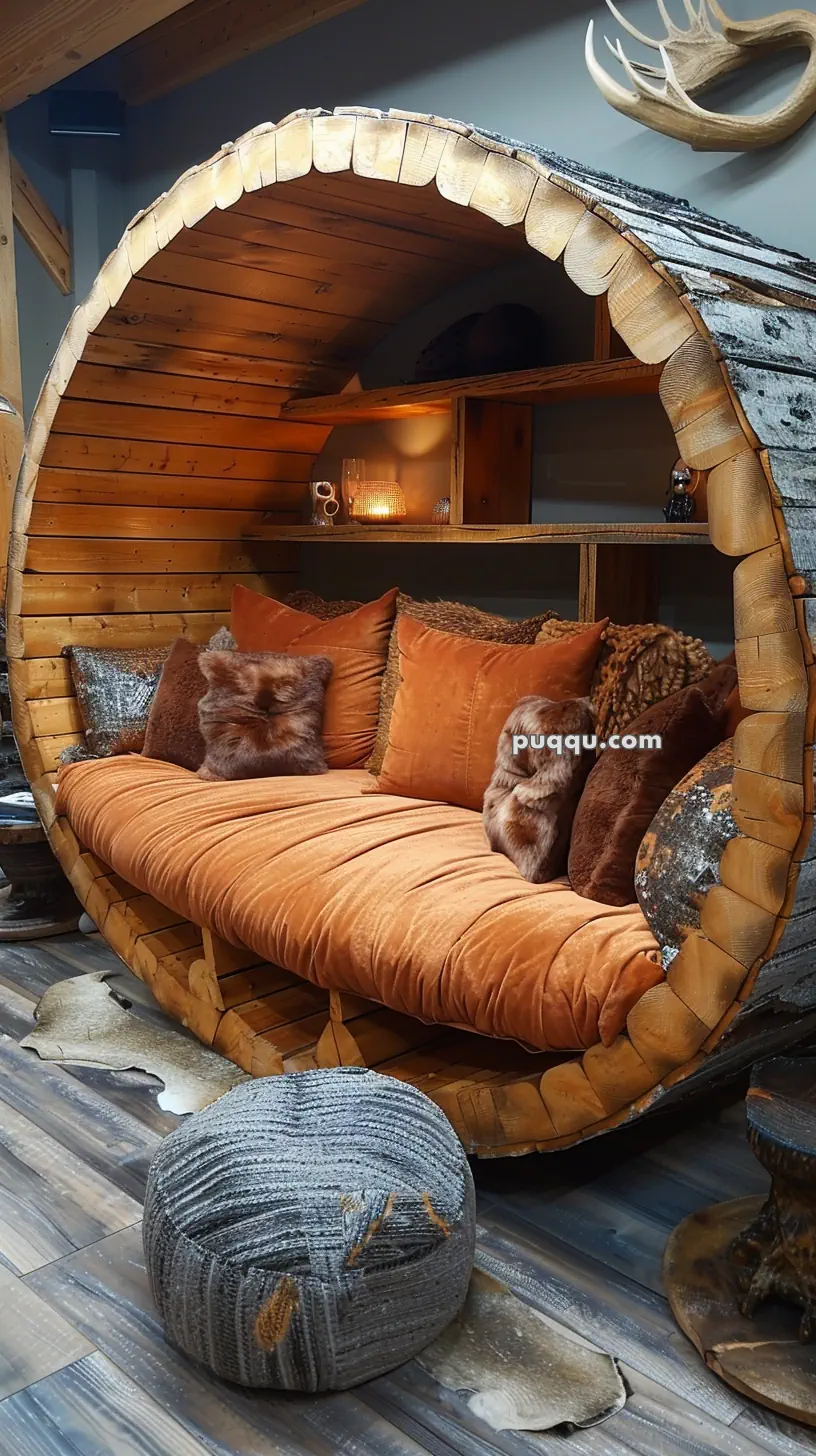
[114, 689]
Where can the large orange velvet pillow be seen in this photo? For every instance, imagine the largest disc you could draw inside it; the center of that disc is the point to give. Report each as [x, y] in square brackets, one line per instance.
[357, 645]
[454, 697]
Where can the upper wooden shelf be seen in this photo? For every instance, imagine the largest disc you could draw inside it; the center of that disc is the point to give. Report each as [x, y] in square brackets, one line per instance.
[590, 380]
[657, 533]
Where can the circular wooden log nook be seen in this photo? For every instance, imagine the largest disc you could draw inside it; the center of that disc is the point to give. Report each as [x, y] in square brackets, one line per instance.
[267, 274]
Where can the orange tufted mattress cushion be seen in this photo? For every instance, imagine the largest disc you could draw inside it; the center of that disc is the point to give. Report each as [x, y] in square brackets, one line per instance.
[396, 899]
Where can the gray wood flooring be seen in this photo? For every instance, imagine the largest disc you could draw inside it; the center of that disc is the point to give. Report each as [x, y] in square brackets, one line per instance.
[85, 1371]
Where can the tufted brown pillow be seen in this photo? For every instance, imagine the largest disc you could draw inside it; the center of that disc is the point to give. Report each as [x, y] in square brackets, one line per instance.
[627, 786]
[309, 601]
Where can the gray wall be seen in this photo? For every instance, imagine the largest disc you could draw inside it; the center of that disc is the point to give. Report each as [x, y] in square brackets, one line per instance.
[516, 67]
[82, 181]
[42, 310]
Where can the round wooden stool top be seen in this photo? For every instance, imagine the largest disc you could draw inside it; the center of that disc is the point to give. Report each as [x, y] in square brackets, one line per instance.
[39, 900]
[21, 834]
[741, 1277]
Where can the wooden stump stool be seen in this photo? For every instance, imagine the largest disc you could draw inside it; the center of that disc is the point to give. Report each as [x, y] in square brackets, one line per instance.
[741, 1276]
[40, 900]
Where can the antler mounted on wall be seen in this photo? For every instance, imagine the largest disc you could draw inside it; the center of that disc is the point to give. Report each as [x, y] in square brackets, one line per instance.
[711, 47]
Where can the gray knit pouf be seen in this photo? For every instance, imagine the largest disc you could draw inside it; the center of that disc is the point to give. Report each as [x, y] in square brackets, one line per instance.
[310, 1231]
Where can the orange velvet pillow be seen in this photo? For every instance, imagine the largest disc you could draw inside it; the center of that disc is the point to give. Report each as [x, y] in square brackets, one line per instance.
[454, 697]
[357, 645]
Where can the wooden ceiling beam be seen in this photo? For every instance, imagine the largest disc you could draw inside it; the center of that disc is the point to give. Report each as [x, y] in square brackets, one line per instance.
[42, 41]
[209, 34]
[44, 233]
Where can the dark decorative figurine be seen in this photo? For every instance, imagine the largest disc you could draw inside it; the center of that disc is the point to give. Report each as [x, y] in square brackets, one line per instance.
[680, 505]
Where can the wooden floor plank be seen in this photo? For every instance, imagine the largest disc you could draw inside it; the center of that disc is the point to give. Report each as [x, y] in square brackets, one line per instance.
[57, 1202]
[104, 1292]
[618, 1314]
[16, 1010]
[87, 1409]
[774, 1433]
[105, 1137]
[34, 1339]
[624, 1217]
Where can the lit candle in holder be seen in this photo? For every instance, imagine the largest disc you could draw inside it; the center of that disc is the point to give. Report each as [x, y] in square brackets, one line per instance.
[376, 501]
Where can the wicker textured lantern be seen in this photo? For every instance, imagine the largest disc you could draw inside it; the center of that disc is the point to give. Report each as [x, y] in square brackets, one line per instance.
[377, 501]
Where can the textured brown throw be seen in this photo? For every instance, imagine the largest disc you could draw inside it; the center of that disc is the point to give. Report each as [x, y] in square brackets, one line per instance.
[639, 665]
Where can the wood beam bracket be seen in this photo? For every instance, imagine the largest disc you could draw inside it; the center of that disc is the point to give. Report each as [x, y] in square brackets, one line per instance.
[44, 233]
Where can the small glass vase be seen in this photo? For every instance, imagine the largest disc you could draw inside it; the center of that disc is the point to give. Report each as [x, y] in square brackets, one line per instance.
[352, 475]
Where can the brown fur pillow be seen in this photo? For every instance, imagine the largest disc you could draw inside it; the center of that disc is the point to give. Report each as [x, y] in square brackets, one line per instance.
[262, 714]
[627, 786]
[173, 733]
[531, 799]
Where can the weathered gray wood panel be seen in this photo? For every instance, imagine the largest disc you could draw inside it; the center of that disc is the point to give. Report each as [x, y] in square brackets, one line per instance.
[780, 406]
[773, 336]
[794, 492]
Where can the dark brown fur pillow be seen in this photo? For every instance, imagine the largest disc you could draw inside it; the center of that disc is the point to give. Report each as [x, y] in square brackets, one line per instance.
[262, 714]
[627, 786]
[531, 799]
[172, 732]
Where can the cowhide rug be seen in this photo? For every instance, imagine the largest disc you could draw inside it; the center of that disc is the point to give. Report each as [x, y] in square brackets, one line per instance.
[523, 1371]
[81, 1021]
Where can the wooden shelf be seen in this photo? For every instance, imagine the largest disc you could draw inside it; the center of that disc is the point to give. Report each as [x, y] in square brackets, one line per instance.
[646, 533]
[591, 380]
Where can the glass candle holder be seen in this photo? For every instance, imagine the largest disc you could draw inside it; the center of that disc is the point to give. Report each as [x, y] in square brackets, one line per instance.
[378, 501]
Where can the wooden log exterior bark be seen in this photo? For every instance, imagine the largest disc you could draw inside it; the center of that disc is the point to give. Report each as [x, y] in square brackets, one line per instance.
[266, 275]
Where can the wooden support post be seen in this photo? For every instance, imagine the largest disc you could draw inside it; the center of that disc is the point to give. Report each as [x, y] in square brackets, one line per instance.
[618, 581]
[608, 342]
[493, 462]
[587, 577]
[603, 329]
[12, 431]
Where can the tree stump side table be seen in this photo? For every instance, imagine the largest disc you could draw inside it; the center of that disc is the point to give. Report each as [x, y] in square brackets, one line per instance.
[741, 1276]
[40, 900]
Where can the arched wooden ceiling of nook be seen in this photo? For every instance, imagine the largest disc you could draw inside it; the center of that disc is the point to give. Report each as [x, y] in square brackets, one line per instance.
[282, 294]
